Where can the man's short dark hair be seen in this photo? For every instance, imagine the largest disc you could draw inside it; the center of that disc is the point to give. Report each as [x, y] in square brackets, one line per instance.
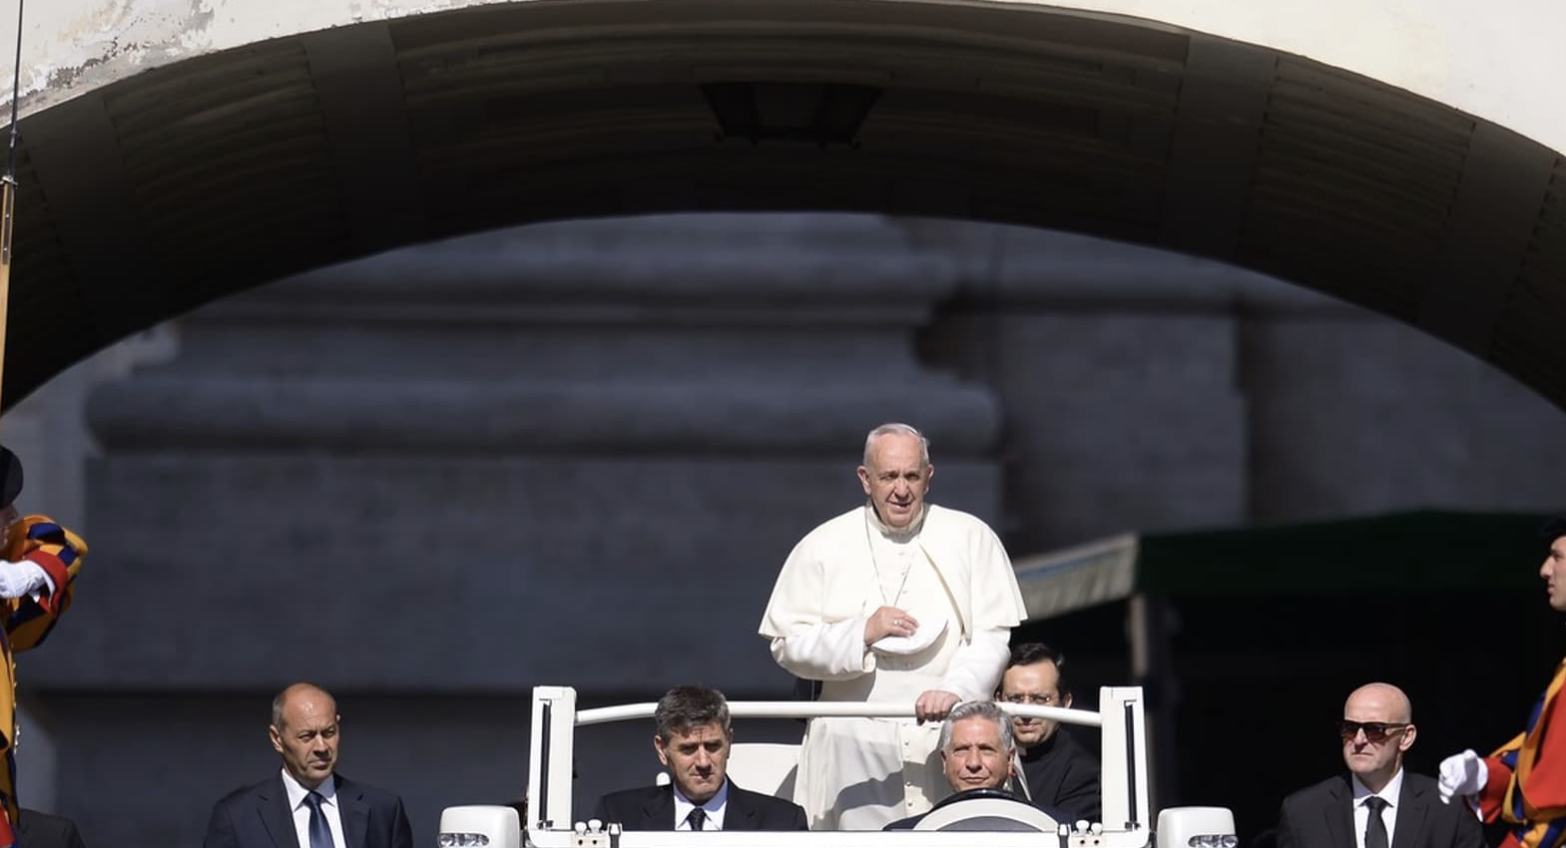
[685, 707]
[1030, 653]
[1552, 530]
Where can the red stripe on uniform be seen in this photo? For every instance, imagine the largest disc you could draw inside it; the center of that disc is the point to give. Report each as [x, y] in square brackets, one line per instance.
[55, 602]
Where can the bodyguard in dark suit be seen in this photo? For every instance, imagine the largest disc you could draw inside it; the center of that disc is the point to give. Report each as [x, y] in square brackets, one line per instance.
[693, 739]
[307, 804]
[652, 808]
[1378, 804]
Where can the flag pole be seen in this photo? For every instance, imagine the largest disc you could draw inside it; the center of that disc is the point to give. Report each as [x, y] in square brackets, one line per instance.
[8, 195]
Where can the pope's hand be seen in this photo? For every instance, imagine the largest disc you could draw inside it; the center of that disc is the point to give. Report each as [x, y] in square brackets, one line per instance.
[1462, 774]
[888, 621]
[934, 705]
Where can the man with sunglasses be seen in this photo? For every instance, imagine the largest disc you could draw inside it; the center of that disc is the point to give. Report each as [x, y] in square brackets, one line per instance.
[1377, 799]
[1523, 783]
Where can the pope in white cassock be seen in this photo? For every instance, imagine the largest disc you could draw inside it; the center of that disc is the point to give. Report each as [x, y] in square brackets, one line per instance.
[897, 600]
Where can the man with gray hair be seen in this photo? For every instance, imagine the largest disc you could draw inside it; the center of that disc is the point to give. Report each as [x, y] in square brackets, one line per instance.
[895, 601]
[977, 751]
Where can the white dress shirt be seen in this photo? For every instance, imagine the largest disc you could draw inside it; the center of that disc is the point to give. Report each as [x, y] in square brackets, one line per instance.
[715, 807]
[1388, 793]
[301, 810]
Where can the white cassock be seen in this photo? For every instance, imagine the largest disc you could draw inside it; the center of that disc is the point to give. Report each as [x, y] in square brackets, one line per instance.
[861, 774]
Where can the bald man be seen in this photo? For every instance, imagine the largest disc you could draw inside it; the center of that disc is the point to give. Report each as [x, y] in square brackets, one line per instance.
[307, 804]
[1377, 800]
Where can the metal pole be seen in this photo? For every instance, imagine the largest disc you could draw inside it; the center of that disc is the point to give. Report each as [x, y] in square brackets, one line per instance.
[8, 197]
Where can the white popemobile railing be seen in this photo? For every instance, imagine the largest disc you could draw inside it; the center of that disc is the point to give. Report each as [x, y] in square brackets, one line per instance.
[552, 823]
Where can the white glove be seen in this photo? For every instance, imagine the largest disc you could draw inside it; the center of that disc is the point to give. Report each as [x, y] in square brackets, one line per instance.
[1461, 775]
[22, 578]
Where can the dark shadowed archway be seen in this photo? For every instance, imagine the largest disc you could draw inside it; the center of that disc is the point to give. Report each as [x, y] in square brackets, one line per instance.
[162, 190]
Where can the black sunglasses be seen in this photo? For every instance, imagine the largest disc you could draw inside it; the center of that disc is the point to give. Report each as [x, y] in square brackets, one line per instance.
[1376, 732]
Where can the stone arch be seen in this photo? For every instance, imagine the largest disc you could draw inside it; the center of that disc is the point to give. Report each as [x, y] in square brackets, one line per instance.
[252, 150]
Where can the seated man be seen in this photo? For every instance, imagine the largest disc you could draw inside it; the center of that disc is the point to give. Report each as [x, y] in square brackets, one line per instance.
[692, 740]
[977, 752]
[1056, 770]
[1376, 803]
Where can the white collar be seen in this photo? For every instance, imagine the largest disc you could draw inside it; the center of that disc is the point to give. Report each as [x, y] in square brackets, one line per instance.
[297, 793]
[1388, 793]
[897, 535]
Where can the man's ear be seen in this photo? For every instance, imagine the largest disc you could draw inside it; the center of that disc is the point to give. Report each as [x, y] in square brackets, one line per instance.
[277, 738]
[663, 758]
[1408, 738]
[864, 478]
[1066, 701]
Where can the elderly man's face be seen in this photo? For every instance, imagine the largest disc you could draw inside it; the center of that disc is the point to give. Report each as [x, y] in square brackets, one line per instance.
[1037, 684]
[697, 759]
[975, 758]
[897, 478]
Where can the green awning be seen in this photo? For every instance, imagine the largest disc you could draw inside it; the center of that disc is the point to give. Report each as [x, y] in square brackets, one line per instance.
[1424, 551]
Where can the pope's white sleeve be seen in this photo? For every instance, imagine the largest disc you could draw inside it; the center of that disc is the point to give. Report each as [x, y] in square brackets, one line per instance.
[826, 651]
[976, 668]
[22, 578]
[802, 640]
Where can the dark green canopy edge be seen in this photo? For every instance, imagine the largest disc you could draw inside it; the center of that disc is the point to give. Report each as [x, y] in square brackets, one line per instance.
[1424, 551]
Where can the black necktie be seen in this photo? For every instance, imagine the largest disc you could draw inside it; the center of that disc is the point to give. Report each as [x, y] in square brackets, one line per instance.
[1375, 829]
[320, 834]
[697, 816]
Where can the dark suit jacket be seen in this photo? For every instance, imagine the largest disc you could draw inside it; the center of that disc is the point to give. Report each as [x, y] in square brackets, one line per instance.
[258, 816]
[1322, 816]
[41, 830]
[652, 808]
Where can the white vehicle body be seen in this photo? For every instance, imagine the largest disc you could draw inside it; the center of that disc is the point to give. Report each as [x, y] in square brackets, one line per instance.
[1127, 822]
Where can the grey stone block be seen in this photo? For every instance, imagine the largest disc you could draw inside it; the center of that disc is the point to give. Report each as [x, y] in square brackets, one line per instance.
[1080, 467]
[459, 574]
